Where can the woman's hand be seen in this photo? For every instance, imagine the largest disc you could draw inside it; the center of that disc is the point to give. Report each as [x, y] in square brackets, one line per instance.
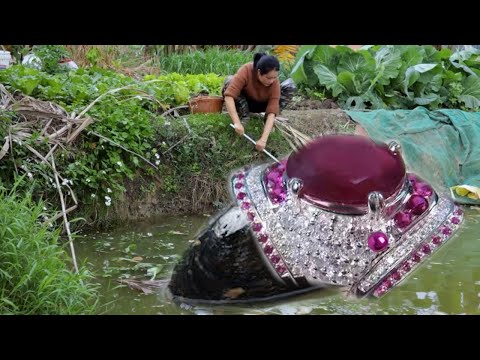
[232, 111]
[239, 129]
[260, 145]
[262, 142]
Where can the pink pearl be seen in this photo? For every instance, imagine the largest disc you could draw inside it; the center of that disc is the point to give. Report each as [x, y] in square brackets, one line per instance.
[403, 219]
[418, 204]
[413, 179]
[377, 241]
[423, 189]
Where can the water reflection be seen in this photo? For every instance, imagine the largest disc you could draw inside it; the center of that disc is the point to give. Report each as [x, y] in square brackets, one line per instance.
[449, 283]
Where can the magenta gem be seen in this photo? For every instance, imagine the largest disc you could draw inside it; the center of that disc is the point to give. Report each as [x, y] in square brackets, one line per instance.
[396, 276]
[257, 227]
[418, 204]
[403, 219]
[238, 185]
[280, 268]
[446, 230]
[458, 211]
[281, 167]
[344, 169]
[423, 189]
[263, 238]
[278, 199]
[455, 220]
[379, 291]
[272, 176]
[387, 284]
[416, 258]
[377, 241]
[406, 267]
[274, 259]
[245, 205]
[251, 216]
[268, 249]
[240, 176]
[426, 249]
[436, 240]
[277, 194]
[413, 179]
[241, 195]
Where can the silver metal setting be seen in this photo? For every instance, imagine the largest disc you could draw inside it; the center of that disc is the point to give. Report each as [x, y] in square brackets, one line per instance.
[300, 240]
[394, 147]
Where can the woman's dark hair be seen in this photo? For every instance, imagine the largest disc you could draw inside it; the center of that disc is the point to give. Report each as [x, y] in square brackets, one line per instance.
[265, 63]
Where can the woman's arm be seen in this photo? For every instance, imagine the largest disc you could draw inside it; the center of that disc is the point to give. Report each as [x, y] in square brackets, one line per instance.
[262, 142]
[232, 111]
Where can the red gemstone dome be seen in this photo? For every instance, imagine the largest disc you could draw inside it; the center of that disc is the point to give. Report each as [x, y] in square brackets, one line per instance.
[339, 171]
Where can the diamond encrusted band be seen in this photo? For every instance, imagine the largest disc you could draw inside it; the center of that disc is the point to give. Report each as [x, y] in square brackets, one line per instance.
[301, 241]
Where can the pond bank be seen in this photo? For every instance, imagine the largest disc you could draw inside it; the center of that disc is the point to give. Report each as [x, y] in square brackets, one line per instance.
[166, 194]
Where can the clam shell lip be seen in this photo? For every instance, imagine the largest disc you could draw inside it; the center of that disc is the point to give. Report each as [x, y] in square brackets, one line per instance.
[342, 170]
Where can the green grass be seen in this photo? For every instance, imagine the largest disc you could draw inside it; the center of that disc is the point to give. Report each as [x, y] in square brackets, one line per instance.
[36, 274]
[207, 151]
[214, 60]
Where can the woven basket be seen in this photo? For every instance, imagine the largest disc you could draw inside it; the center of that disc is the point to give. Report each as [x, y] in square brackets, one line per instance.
[206, 104]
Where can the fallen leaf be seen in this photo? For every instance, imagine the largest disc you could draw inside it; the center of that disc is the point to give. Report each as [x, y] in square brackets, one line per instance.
[137, 258]
[173, 232]
[146, 286]
[153, 271]
[233, 293]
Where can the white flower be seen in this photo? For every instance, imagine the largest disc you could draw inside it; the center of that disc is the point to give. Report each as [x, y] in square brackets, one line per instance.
[157, 156]
[108, 200]
[30, 176]
[109, 190]
[93, 196]
[119, 163]
[65, 182]
[44, 208]
[87, 180]
[157, 162]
